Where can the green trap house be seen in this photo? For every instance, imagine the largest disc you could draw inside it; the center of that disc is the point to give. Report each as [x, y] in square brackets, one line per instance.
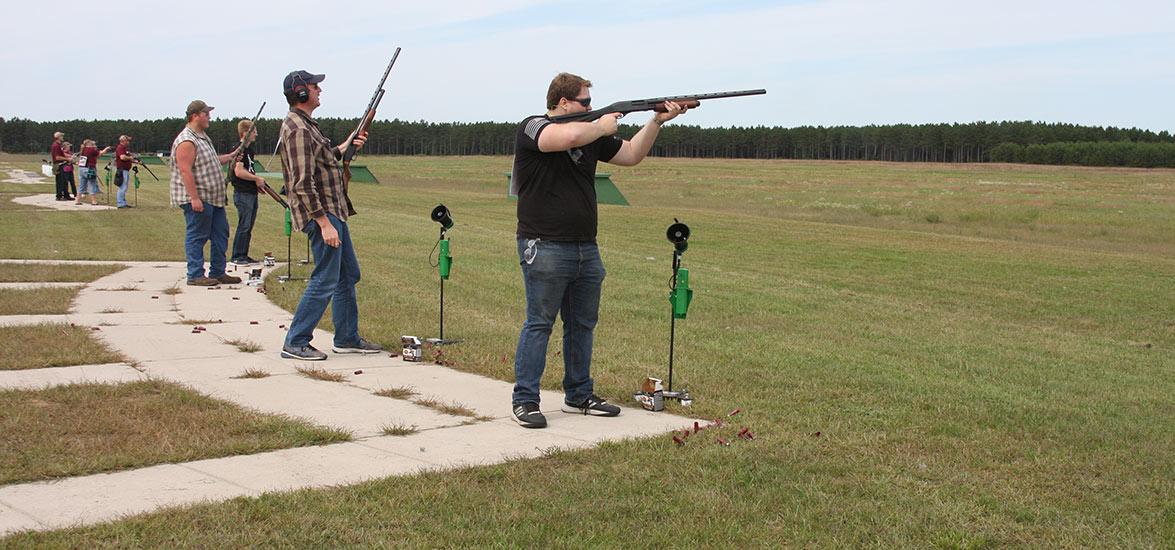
[606, 191]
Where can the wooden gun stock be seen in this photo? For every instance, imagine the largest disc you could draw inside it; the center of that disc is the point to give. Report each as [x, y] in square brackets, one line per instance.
[273, 194]
[687, 103]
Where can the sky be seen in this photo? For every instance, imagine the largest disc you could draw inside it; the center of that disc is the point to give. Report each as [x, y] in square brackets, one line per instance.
[822, 62]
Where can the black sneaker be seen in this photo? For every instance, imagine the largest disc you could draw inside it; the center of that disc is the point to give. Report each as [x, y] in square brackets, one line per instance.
[305, 353]
[593, 405]
[363, 346]
[527, 415]
[242, 261]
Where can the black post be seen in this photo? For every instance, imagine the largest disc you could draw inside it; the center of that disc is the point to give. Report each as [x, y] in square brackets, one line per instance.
[672, 318]
[441, 336]
[289, 276]
[289, 255]
[440, 339]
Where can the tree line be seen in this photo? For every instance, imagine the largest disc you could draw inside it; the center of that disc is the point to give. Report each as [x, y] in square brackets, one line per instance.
[1008, 141]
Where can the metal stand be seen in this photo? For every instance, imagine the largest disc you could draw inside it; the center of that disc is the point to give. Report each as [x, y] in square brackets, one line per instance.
[683, 395]
[440, 340]
[289, 276]
[308, 259]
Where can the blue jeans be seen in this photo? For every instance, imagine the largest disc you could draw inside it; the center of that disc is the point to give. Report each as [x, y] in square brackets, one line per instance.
[127, 182]
[89, 181]
[246, 215]
[336, 271]
[563, 278]
[209, 225]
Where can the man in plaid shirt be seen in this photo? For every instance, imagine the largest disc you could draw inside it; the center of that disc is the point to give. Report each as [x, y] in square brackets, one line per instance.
[317, 193]
[197, 186]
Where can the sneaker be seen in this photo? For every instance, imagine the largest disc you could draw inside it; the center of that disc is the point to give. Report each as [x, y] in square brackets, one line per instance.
[243, 261]
[228, 279]
[593, 405]
[251, 260]
[203, 281]
[305, 353]
[527, 415]
[363, 346]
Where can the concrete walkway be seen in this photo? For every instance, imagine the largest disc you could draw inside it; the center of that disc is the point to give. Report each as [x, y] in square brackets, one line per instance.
[50, 201]
[154, 329]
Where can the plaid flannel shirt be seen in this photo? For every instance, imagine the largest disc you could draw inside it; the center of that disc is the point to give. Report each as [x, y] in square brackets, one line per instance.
[314, 177]
[210, 184]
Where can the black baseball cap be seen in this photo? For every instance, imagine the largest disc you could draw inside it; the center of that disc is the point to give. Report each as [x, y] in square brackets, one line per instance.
[300, 78]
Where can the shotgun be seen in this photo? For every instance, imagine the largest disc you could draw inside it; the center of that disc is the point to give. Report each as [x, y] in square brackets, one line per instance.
[367, 118]
[651, 104]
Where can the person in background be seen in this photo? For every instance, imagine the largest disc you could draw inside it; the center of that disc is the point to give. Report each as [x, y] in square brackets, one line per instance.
[58, 159]
[246, 183]
[88, 170]
[67, 168]
[197, 186]
[123, 159]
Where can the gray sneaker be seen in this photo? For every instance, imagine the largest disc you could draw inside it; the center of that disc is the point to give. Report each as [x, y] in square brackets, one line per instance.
[305, 353]
[363, 346]
[593, 406]
[527, 415]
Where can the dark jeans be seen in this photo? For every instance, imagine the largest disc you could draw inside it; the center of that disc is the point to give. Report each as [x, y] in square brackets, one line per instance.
[209, 225]
[63, 179]
[336, 270]
[562, 278]
[246, 215]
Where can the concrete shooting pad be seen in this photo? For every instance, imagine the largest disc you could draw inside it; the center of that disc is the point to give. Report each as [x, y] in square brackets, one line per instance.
[48, 200]
[150, 317]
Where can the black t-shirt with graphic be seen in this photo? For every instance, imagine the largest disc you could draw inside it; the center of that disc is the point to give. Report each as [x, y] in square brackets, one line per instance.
[557, 190]
[243, 185]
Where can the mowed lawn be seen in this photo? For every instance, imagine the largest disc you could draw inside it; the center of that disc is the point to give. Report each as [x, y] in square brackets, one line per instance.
[928, 355]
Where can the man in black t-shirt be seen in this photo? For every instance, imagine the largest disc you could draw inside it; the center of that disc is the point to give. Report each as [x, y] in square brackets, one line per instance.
[246, 183]
[554, 177]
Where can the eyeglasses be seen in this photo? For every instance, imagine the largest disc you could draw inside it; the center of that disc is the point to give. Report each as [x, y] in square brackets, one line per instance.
[586, 102]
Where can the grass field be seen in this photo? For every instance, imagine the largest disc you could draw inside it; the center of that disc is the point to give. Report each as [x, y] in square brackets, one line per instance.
[81, 429]
[986, 353]
[52, 345]
[36, 301]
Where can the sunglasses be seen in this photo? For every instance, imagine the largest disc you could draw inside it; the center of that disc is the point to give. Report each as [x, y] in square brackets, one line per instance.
[586, 102]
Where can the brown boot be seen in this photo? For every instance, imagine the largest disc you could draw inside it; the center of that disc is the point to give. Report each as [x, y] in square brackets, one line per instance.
[228, 279]
[203, 281]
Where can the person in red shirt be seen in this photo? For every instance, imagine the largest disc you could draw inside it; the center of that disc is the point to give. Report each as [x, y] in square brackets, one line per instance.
[67, 168]
[88, 170]
[59, 158]
[123, 159]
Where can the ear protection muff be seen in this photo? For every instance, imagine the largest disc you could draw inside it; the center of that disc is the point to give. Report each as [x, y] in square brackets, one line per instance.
[301, 90]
